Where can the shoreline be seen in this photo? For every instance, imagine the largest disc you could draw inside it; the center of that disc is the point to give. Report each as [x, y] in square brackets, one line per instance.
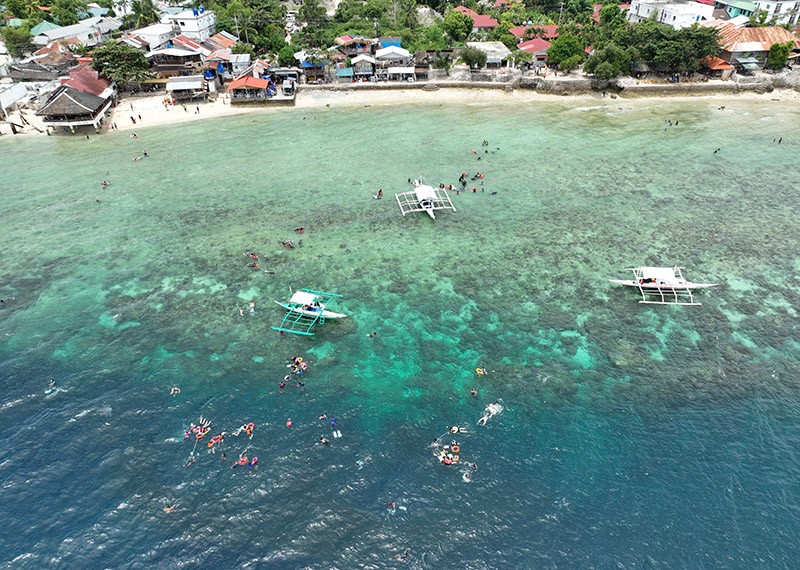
[149, 111]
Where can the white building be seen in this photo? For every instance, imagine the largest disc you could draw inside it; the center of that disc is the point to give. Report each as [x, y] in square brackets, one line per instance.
[157, 35]
[674, 13]
[196, 23]
[782, 12]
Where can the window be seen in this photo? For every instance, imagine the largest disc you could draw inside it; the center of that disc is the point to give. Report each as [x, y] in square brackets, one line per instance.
[778, 7]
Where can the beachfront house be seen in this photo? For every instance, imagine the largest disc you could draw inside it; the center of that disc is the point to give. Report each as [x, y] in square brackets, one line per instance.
[187, 87]
[747, 49]
[249, 89]
[69, 108]
[171, 62]
[81, 100]
[363, 66]
[197, 23]
[351, 46]
[89, 32]
[497, 54]
[12, 95]
[675, 13]
[538, 48]
[718, 67]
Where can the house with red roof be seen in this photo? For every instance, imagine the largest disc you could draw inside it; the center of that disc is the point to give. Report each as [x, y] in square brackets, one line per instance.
[550, 31]
[748, 48]
[480, 22]
[538, 47]
[86, 79]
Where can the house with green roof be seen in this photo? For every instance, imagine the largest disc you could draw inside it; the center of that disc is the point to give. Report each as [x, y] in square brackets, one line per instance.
[736, 7]
[43, 26]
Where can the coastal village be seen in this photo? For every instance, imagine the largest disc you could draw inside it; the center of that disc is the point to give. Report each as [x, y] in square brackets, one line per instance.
[65, 66]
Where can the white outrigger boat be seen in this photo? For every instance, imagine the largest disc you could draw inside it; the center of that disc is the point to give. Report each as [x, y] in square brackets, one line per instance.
[663, 285]
[424, 198]
[304, 309]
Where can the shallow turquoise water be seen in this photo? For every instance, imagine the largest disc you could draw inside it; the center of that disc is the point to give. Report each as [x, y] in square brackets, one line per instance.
[638, 436]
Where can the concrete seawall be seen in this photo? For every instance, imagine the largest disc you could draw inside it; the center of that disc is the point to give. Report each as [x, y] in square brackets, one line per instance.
[565, 87]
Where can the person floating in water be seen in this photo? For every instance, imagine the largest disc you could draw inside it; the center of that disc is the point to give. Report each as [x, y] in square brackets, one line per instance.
[402, 557]
[174, 391]
[391, 506]
[252, 306]
[300, 230]
[323, 440]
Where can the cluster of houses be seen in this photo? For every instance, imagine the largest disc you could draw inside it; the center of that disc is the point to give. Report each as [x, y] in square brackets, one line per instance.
[744, 48]
[191, 60]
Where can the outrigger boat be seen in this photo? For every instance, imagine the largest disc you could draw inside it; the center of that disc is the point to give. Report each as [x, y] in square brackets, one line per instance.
[663, 285]
[424, 198]
[305, 309]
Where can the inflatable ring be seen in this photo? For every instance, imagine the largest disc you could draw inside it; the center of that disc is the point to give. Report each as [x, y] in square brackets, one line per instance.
[199, 435]
[455, 448]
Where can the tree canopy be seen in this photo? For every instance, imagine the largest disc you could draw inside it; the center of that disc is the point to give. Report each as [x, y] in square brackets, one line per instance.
[17, 40]
[779, 55]
[564, 47]
[457, 25]
[120, 63]
[473, 57]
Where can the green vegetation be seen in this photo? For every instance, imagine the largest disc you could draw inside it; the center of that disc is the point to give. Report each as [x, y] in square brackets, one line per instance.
[616, 44]
[473, 57]
[17, 40]
[564, 50]
[779, 55]
[120, 63]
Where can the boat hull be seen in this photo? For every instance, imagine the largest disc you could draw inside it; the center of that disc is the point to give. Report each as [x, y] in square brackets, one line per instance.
[667, 286]
[311, 313]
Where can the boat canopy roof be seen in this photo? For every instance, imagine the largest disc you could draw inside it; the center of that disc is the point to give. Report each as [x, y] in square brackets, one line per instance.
[425, 192]
[665, 273]
[303, 298]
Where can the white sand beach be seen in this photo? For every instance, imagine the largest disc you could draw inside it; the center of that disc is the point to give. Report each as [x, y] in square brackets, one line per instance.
[150, 111]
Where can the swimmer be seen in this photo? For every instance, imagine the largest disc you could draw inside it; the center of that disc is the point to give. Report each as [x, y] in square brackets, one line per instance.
[323, 417]
[467, 477]
[402, 556]
[323, 440]
[169, 508]
[300, 230]
[289, 423]
[372, 335]
[174, 391]
[51, 383]
[473, 392]
[391, 507]
[252, 306]
[241, 312]
[191, 461]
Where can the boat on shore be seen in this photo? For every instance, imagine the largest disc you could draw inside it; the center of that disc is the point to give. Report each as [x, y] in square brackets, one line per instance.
[663, 285]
